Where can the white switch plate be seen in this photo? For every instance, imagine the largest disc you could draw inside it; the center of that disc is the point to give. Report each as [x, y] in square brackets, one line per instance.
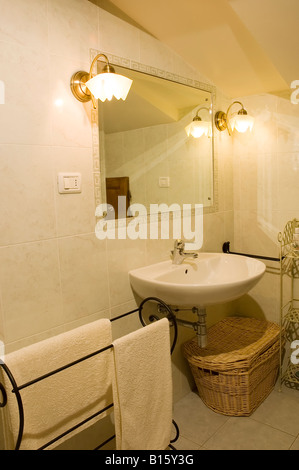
[164, 182]
[69, 183]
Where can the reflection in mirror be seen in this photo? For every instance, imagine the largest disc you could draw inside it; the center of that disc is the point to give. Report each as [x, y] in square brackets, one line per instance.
[146, 155]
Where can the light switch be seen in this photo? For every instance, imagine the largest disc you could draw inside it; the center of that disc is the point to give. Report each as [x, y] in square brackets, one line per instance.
[69, 183]
[164, 182]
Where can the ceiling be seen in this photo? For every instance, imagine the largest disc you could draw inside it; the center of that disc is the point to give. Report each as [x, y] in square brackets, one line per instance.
[243, 46]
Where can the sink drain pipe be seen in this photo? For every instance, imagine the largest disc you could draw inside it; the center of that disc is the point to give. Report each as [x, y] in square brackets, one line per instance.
[200, 326]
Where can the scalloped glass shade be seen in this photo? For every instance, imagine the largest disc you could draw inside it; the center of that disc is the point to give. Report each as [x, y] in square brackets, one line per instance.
[198, 128]
[106, 85]
[242, 122]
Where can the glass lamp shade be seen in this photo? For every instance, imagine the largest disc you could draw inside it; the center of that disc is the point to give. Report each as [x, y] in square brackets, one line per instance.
[241, 122]
[197, 128]
[106, 85]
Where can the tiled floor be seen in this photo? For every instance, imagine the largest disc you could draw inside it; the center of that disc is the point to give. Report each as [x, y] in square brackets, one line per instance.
[273, 426]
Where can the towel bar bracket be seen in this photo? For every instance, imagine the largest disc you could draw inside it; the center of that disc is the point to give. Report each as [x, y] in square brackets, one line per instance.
[164, 309]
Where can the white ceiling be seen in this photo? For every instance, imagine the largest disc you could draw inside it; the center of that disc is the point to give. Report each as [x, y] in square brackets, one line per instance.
[243, 46]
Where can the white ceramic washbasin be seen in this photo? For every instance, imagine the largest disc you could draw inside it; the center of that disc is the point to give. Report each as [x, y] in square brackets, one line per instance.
[210, 279]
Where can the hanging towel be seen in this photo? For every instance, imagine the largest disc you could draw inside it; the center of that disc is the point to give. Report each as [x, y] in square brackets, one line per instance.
[142, 388]
[61, 401]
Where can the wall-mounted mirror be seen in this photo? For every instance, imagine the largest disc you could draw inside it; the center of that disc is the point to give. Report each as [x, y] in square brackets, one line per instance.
[145, 152]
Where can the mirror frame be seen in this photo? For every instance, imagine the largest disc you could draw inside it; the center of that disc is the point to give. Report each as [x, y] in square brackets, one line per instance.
[150, 70]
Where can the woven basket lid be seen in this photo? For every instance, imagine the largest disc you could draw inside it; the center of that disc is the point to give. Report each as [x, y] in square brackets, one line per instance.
[234, 342]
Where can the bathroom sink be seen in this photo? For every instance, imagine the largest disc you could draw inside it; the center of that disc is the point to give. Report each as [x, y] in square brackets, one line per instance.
[210, 279]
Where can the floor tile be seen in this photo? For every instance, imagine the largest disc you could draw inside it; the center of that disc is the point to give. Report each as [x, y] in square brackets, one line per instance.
[243, 433]
[295, 445]
[196, 421]
[273, 426]
[281, 411]
[185, 444]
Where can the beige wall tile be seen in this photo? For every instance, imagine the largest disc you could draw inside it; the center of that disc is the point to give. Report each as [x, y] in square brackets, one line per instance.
[153, 52]
[123, 255]
[70, 119]
[31, 295]
[84, 276]
[75, 213]
[26, 194]
[25, 23]
[73, 28]
[288, 188]
[24, 116]
[118, 37]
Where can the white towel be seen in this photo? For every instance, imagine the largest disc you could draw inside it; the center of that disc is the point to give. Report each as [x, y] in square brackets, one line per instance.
[142, 388]
[66, 398]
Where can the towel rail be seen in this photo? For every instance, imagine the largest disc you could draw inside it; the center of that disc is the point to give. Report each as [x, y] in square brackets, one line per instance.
[226, 249]
[16, 388]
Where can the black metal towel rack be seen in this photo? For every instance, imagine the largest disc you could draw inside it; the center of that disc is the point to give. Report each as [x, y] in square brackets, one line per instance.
[17, 388]
[226, 249]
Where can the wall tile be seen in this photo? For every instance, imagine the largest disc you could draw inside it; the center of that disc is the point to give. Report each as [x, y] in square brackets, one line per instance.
[123, 255]
[157, 54]
[214, 230]
[24, 117]
[287, 123]
[118, 37]
[26, 194]
[70, 119]
[73, 28]
[25, 23]
[84, 280]
[75, 213]
[31, 296]
[288, 189]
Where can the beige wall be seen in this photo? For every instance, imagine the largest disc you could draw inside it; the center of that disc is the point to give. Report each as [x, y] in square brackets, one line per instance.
[266, 191]
[54, 273]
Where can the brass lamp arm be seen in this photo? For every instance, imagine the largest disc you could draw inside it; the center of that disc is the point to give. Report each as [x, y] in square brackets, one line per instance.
[203, 107]
[221, 118]
[227, 120]
[235, 102]
[107, 66]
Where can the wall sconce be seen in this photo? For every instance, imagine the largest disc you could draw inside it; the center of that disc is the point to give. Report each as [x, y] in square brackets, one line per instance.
[102, 86]
[197, 127]
[240, 121]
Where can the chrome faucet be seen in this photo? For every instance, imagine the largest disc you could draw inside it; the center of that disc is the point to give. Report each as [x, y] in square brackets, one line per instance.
[178, 254]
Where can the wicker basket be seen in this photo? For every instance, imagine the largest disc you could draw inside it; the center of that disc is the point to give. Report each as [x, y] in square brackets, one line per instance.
[239, 367]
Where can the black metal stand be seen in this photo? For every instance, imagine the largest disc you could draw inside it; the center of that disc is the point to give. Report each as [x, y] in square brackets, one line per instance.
[16, 388]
